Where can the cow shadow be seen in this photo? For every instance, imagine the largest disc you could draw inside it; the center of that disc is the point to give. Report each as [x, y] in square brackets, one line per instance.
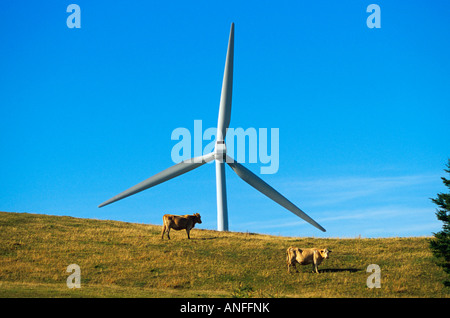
[338, 270]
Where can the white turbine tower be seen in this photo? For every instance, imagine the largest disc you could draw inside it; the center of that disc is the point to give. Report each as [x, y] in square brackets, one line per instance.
[220, 156]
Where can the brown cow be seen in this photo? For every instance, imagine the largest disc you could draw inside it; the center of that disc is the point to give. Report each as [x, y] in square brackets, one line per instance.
[179, 222]
[306, 256]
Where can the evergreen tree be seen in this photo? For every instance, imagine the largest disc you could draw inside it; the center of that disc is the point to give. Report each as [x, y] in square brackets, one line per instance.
[440, 244]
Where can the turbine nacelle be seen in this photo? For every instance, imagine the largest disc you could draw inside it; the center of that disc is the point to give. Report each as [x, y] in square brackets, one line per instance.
[220, 151]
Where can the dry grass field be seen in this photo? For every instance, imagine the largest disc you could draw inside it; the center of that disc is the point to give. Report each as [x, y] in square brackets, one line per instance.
[119, 259]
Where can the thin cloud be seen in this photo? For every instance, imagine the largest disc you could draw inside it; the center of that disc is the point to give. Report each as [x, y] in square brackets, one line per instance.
[352, 206]
[372, 213]
[427, 228]
[330, 191]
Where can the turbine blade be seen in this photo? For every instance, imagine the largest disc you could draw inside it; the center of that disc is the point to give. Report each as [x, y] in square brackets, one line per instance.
[227, 89]
[267, 190]
[169, 173]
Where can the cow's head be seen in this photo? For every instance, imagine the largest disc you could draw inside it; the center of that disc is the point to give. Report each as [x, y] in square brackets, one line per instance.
[325, 253]
[197, 218]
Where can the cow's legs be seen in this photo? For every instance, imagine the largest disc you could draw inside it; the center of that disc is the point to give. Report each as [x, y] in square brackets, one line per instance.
[168, 231]
[289, 267]
[293, 265]
[315, 268]
[163, 231]
[187, 231]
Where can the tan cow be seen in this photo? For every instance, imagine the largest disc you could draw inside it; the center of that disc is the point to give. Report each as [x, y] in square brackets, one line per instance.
[306, 256]
[179, 222]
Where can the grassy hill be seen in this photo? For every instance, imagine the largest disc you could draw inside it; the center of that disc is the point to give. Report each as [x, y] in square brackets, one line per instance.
[119, 259]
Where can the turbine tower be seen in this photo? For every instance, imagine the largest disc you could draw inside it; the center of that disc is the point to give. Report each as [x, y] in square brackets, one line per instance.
[220, 156]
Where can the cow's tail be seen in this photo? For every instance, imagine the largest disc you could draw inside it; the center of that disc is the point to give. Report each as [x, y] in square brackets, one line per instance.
[288, 252]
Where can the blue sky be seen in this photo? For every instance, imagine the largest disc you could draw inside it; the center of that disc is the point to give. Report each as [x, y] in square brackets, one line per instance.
[363, 114]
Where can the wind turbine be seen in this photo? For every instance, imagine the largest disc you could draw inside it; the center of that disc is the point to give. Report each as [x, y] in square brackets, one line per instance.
[220, 156]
